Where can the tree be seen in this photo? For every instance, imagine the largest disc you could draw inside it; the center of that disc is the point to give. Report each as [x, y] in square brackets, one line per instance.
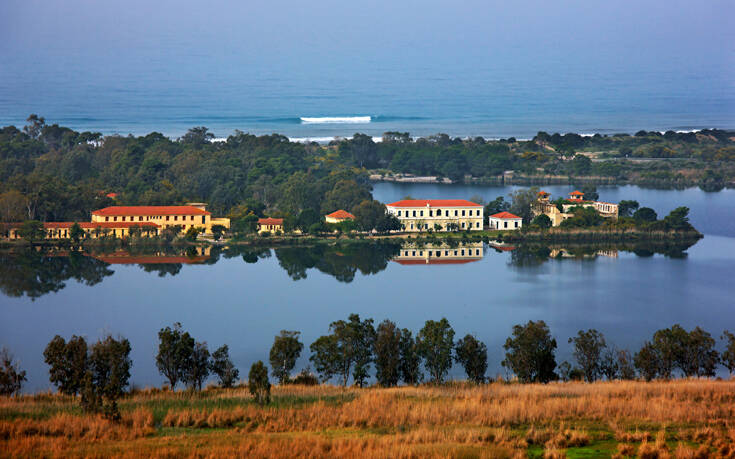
[32, 231]
[387, 354]
[646, 361]
[11, 376]
[68, 362]
[285, 351]
[258, 384]
[627, 207]
[197, 136]
[348, 349]
[728, 357]
[626, 368]
[530, 352]
[496, 206]
[472, 355]
[435, 342]
[588, 347]
[699, 356]
[368, 214]
[669, 347]
[346, 194]
[218, 231]
[35, 126]
[542, 221]
[678, 219]
[197, 370]
[609, 366]
[410, 360]
[222, 366]
[13, 206]
[76, 233]
[192, 233]
[175, 349]
[109, 367]
[645, 214]
[387, 223]
[521, 202]
[590, 192]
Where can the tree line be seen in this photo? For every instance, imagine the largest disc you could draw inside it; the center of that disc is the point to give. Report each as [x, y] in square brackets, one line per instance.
[98, 373]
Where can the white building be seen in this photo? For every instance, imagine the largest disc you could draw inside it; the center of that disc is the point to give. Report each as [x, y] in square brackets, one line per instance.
[437, 214]
[505, 221]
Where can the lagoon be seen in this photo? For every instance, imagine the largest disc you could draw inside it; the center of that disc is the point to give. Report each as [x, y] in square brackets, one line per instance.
[243, 297]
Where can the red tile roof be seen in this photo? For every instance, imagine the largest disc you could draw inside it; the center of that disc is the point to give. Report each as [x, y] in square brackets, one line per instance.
[437, 261]
[576, 193]
[505, 215]
[150, 210]
[341, 214]
[434, 203]
[270, 221]
[543, 193]
[111, 195]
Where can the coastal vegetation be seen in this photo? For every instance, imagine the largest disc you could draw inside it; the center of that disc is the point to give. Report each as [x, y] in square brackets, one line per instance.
[593, 407]
[52, 173]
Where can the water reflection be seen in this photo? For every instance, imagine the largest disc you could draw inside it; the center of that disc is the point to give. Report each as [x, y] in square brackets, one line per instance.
[34, 273]
[439, 253]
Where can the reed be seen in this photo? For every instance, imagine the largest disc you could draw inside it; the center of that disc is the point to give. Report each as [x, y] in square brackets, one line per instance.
[683, 418]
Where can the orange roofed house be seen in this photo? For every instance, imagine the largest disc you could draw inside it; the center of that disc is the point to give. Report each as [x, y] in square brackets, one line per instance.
[437, 214]
[270, 225]
[575, 199]
[505, 221]
[338, 216]
[185, 217]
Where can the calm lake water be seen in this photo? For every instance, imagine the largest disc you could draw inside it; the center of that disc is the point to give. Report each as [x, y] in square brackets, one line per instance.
[244, 296]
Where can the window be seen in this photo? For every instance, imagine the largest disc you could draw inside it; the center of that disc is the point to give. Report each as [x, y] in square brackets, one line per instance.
[405, 254]
[477, 251]
[411, 225]
[421, 253]
[413, 253]
[422, 213]
[446, 252]
[431, 213]
[446, 213]
[477, 225]
[414, 213]
[462, 224]
[140, 219]
[462, 252]
[463, 213]
[455, 213]
[123, 219]
[107, 219]
[505, 224]
[430, 253]
[204, 219]
[399, 213]
[455, 253]
[176, 217]
[192, 218]
[516, 223]
[114, 219]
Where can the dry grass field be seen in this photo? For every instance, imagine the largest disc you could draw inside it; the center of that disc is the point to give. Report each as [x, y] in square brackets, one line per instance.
[679, 419]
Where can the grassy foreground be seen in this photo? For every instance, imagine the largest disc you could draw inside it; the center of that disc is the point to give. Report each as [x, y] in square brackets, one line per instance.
[687, 419]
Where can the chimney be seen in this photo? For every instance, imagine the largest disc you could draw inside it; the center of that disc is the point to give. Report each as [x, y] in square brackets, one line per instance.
[198, 205]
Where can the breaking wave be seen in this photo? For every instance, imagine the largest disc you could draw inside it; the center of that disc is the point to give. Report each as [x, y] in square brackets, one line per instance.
[336, 120]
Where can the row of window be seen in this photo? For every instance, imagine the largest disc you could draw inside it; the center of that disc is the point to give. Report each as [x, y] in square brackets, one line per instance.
[463, 225]
[158, 217]
[505, 225]
[438, 253]
[437, 213]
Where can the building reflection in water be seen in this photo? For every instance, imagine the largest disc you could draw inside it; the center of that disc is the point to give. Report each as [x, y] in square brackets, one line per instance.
[189, 255]
[439, 253]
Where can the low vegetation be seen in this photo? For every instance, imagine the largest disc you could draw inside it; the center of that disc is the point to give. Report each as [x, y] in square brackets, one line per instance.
[683, 419]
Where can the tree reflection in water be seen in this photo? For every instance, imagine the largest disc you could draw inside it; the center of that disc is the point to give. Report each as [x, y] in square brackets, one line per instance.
[34, 273]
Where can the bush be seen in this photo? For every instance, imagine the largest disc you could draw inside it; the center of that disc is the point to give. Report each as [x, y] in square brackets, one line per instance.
[258, 384]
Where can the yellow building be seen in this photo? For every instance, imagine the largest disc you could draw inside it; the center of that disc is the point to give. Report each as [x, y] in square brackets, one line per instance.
[439, 253]
[185, 217]
[437, 214]
[575, 199]
[270, 225]
[338, 216]
[93, 230]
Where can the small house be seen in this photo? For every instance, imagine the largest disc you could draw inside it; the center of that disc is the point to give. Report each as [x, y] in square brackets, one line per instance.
[505, 221]
[270, 225]
[339, 216]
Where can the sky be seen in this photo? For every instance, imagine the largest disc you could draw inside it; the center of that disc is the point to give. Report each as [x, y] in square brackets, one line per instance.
[329, 30]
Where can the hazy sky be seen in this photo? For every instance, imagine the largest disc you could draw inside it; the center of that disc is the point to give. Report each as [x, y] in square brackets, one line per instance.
[347, 30]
